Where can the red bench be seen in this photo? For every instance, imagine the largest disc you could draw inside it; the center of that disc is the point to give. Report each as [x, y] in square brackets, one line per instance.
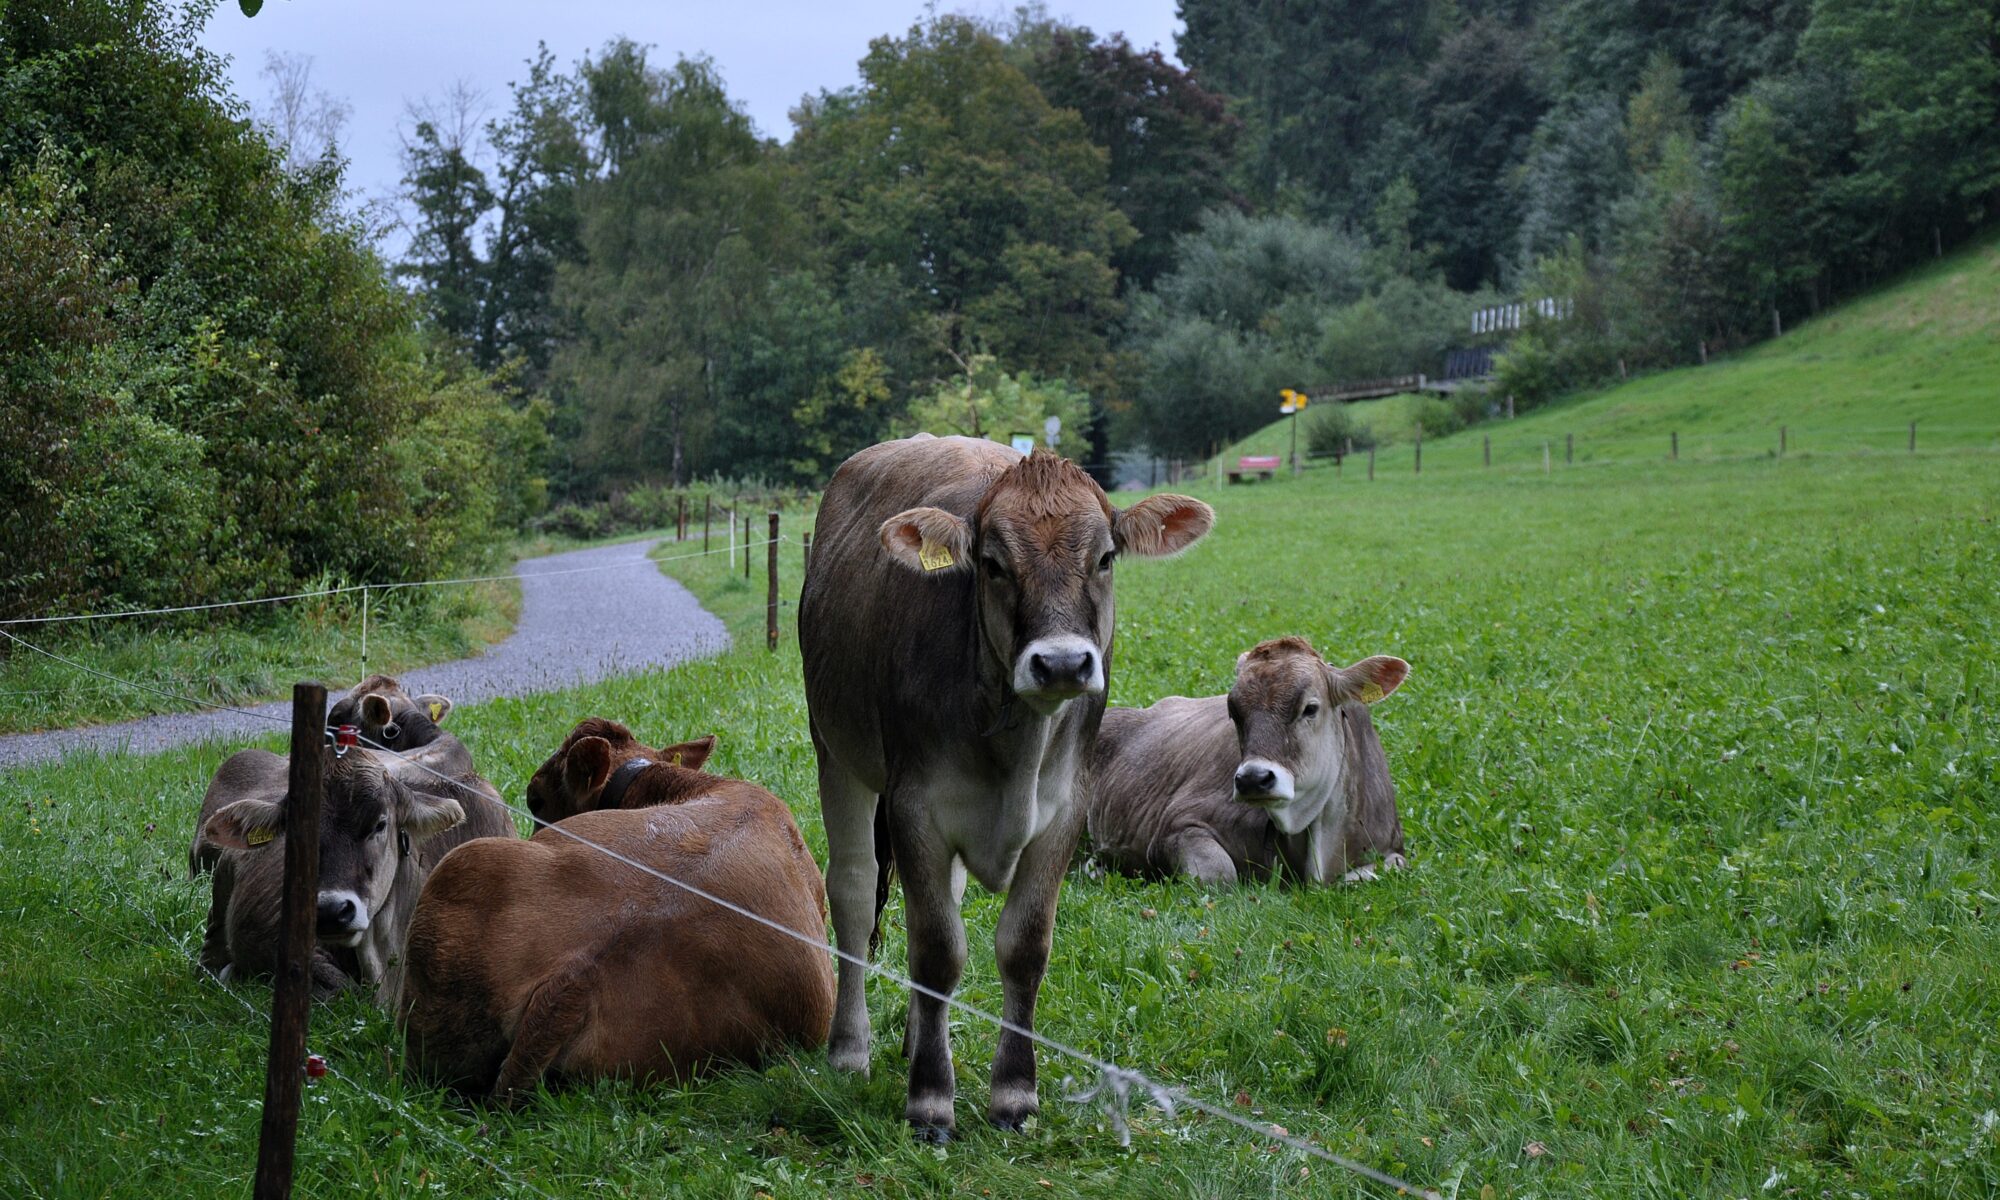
[1252, 467]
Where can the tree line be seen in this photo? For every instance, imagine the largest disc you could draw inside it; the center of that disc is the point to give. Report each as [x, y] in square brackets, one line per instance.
[618, 283]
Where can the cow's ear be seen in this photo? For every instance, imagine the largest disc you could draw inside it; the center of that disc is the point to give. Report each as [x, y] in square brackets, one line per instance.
[586, 766]
[1162, 525]
[1368, 680]
[245, 824]
[433, 705]
[929, 540]
[375, 709]
[689, 754]
[427, 815]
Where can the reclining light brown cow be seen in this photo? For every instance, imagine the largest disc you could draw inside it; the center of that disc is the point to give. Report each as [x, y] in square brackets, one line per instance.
[387, 717]
[1284, 773]
[956, 628]
[547, 957]
[371, 827]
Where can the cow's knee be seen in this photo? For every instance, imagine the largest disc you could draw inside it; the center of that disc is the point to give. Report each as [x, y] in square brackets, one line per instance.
[1205, 861]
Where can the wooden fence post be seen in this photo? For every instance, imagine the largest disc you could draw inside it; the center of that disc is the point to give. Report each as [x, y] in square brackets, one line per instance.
[1913, 437]
[707, 507]
[1420, 451]
[1510, 406]
[291, 993]
[1569, 449]
[1486, 443]
[1674, 445]
[1784, 433]
[1371, 464]
[1545, 456]
[771, 604]
[681, 522]
[746, 547]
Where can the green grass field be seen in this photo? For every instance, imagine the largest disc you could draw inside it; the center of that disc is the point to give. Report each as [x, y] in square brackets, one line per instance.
[1697, 764]
[1925, 348]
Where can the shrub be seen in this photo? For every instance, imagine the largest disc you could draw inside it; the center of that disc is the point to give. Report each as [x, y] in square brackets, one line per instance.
[1330, 430]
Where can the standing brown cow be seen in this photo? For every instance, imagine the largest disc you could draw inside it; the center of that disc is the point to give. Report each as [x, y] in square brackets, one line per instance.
[549, 957]
[1283, 772]
[956, 629]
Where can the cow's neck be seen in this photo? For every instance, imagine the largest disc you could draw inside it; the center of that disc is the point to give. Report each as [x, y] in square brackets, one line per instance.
[1317, 852]
[381, 951]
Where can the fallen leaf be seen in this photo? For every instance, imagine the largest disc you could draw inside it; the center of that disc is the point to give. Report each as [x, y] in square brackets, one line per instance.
[1535, 1149]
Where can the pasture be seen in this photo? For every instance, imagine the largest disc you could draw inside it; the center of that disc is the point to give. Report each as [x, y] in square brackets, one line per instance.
[1696, 763]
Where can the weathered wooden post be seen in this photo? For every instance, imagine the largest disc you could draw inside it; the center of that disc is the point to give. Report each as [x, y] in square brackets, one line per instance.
[1510, 406]
[1702, 347]
[1569, 449]
[1784, 433]
[1674, 445]
[291, 994]
[681, 522]
[707, 507]
[771, 602]
[746, 547]
[1486, 444]
[1420, 452]
[1545, 456]
[1913, 437]
[1371, 464]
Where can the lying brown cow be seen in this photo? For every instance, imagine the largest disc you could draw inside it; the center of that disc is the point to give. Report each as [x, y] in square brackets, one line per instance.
[956, 628]
[1283, 773]
[371, 826]
[550, 958]
[379, 707]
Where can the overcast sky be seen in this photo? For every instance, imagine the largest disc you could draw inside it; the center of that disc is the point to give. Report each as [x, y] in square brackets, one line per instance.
[379, 55]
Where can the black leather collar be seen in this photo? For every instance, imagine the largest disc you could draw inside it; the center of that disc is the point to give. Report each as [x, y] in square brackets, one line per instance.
[614, 787]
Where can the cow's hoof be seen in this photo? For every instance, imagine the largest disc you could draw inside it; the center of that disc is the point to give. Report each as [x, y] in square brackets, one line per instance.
[1011, 1107]
[931, 1134]
[1009, 1122]
[849, 1058]
[1396, 862]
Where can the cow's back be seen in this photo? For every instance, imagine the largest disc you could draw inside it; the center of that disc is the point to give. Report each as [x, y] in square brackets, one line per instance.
[1159, 773]
[244, 775]
[876, 639]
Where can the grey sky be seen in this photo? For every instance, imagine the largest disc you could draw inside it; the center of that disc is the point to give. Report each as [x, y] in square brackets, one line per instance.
[377, 55]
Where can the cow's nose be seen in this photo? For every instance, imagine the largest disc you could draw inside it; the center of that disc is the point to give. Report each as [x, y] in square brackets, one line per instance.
[1255, 779]
[1062, 668]
[336, 913]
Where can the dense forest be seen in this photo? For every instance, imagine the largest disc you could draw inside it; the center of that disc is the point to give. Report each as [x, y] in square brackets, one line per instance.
[616, 281]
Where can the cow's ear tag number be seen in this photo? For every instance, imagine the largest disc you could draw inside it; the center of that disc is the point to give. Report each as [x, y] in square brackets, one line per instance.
[1371, 692]
[934, 558]
[258, 837]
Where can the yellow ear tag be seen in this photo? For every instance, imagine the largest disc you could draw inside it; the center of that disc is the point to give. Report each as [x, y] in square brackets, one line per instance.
[934, 558]
[1371, 692]
[675, 761]
[258, 837]
[436, 708]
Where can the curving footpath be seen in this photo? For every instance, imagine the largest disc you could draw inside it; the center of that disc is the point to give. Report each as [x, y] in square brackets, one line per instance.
[578, 624]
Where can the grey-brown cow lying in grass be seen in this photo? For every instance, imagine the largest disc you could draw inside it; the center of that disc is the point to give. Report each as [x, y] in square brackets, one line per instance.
[549, 958]
[371, 827]
[414, 749]
[1284, 773]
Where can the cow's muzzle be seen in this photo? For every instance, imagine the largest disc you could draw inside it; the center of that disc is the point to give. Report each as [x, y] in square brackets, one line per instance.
[342, 918]
[1262, 782]
[1052, 670]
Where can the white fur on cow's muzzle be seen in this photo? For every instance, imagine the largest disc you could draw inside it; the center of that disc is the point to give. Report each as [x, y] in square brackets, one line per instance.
[342, 918]
[1280, 790]
[1052, 670]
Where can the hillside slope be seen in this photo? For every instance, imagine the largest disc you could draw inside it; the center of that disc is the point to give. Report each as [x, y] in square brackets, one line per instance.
[1925, 348]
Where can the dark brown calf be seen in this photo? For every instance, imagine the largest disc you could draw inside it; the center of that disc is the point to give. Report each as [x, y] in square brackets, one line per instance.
[956, 629]
[549, 958]
[1284, 773]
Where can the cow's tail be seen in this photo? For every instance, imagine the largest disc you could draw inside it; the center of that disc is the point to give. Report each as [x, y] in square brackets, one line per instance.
[885, 871]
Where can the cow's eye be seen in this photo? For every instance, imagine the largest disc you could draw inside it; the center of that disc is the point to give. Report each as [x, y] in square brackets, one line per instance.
[997, 567]
[382, 826]
[1104, 564]
[1310, 711]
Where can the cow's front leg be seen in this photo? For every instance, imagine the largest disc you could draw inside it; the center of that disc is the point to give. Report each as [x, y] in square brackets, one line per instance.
[848, 808]
[1021, 946]
[937, 959]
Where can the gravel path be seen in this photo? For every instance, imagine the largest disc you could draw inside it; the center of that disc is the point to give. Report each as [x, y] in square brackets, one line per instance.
[578, 624]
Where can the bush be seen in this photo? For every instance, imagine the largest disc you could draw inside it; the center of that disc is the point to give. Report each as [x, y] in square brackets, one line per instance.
[1330, 430]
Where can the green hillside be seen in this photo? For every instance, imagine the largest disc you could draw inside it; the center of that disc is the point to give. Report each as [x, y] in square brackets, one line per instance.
[1925, 348]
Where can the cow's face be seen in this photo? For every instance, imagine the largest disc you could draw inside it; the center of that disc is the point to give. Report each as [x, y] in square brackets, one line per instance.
[1284, 706]
[1040, 551]
[573, 779]
[389, 717]
[368, 822]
